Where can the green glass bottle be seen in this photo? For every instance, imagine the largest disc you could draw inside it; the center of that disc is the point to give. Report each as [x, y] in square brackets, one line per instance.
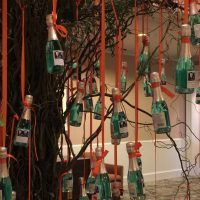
[135, 177]
[163, 74]
[147, 86]
[74, 70]
[97, 110]
[143, 65]
[54, 52]
[119, 125]
[90, 184]
[67, 182]
[184, 63]
[5, 181]
[76, 111]
[83, 195]
[23, 130]
[194, 21]
[159, 109]
[97, 69]
[197, 101]
[103, 189]
[123, 78]
[88, 104]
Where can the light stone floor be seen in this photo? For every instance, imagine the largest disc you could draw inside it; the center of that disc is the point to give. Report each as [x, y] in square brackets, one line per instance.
[170, 189]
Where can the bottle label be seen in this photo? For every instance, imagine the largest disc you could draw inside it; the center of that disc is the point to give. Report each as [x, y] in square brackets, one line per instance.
[91, 188]
[192, 79]
[22, 136]
[159, 120]
[123, 127]
[197, 30]
[58, 57]
[132, 189]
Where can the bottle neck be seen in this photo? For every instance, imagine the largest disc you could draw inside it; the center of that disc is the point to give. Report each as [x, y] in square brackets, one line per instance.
[3, 168]
[83, 192]
[26, 113]
[146, 50]
[117, 106]
[157, 94]
[133, 165]
[193, 8]
[103, 168]
[79, 97]
[185, 48]
[52, 33]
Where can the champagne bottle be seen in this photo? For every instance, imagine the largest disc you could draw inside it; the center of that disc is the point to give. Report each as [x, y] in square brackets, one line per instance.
[74, 70]
[76, 111]
[147, 86]
[5, 182]
[88, 104]
[90, 185]
[83, 195]
[97, 110]
[54, 52]
[143, 65]
[184, 63]
[119, 127]
[159, 109]
[103, 190]
[194, 21]
[123, 78]
[23, 130]
[135, 177]
[163, 75]
[67, 182]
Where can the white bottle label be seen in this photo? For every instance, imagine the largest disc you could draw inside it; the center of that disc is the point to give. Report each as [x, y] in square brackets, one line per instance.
[192, 79]
[22, 136]
[159, 120]
[132, 189]
[197, 30]
[123, 128]
[58, 57]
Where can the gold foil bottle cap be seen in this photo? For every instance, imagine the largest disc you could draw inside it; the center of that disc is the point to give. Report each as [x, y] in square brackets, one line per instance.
[49, 20]
[98, 152]
[185, 30]
[155, 77]
[130, 147]
[29, 99]
[115, 91]
[3, 152]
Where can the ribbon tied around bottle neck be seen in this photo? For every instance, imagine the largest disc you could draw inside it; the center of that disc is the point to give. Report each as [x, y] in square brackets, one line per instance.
[96, 169]
[164, 89]
[185, 39]
[136, 153]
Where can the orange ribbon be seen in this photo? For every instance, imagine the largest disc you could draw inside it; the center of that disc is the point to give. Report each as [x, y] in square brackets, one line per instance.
[185, 39]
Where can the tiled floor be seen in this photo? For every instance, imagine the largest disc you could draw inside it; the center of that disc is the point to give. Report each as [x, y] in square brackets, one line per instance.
[170, 189]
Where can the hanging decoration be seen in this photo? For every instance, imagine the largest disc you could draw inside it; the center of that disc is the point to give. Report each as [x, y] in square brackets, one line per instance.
[194, 22]
[163, 74]
[159, 109]
[76, 111]
[83, 195]
[123, 78]
[184, 66]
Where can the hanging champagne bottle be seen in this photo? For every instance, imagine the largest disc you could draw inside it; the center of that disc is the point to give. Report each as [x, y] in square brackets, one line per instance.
[88, 98]
[5, 182]
[184, 63]
[83, 195]
[135, 177]
[159, 109]
[119, 127]
[74, 70]
[54, 52]
[103, 190]
[23, 130]
[97, 110]
[76, 111]
[163, 75]
[123, 78]
[194, 21]
[67, 185]
[97, 69]
[143, 64]
[147, 86]
[90, 185]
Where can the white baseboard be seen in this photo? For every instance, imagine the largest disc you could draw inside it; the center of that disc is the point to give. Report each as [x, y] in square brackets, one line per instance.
[167, 162]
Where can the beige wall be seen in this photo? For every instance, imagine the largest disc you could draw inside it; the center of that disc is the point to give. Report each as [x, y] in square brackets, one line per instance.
[176, 105]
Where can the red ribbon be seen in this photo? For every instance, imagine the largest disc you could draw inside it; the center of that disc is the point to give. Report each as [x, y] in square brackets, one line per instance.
[185, 39]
